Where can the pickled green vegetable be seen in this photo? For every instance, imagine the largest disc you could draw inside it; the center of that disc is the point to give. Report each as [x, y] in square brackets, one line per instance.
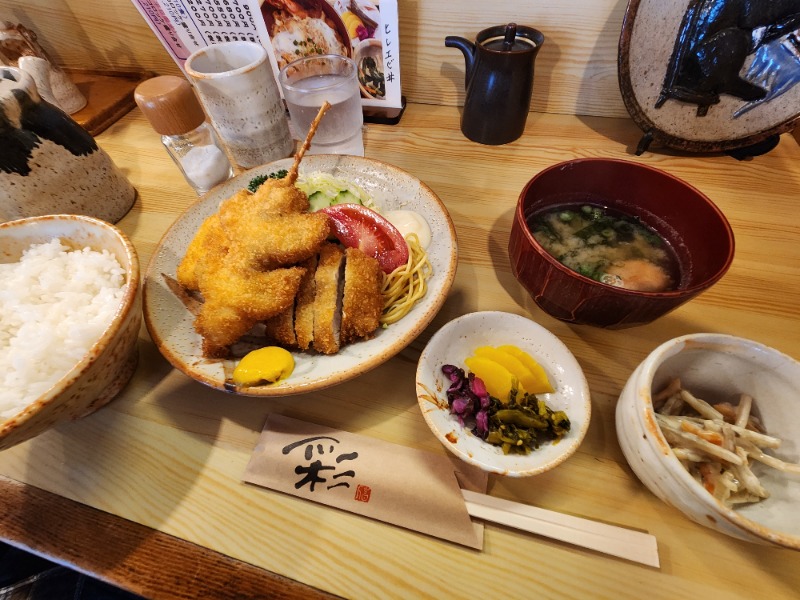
[524, 424]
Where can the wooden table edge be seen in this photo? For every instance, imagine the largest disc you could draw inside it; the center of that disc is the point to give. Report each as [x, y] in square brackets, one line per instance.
[131, 556]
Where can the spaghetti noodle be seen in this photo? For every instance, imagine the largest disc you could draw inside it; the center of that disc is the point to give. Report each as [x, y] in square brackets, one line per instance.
[406, 285]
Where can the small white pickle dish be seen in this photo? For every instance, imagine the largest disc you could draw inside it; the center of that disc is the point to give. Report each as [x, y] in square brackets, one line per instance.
[455, 342]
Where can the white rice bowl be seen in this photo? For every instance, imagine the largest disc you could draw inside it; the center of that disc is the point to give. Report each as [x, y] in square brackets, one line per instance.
[70, 317]
[54, 304]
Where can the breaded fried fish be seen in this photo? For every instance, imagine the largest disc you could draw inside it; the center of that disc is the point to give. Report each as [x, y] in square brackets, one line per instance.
[208, 245]
[239, 298]
[277, 241]
[280, 328]
[272, 198]
[280, 196]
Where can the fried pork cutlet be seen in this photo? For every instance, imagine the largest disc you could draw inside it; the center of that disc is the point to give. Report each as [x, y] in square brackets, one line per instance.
[280, 328]
[328, 298]
[278, 241]
[238, 299]
[362, 301]
[304, 306]
[209, 245]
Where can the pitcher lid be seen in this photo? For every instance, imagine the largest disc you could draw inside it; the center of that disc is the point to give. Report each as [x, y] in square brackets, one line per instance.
[510, 38]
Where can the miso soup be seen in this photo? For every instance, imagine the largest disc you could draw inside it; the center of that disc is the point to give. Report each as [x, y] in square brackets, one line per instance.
[607, 246]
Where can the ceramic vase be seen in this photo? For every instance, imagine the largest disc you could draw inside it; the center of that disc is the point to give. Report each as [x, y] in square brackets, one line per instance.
[48, 163]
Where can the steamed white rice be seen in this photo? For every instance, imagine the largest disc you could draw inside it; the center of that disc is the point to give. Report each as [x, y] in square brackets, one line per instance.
[55, 303]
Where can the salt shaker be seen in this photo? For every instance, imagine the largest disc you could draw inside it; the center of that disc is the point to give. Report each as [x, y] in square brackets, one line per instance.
[172, 108]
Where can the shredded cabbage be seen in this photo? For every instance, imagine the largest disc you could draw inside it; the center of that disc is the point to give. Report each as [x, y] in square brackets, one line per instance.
[331, 187]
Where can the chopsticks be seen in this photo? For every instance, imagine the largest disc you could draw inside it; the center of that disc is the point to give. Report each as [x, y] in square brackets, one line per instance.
[609, 539]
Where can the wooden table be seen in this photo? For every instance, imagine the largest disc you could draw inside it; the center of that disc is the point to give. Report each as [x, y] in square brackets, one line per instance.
[147, 492]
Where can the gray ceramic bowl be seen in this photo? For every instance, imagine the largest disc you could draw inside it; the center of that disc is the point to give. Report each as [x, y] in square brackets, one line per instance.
[59, 168]
[717, 368]
[111, 361]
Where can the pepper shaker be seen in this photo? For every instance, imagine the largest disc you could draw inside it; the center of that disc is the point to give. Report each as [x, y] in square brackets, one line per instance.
[171, 107]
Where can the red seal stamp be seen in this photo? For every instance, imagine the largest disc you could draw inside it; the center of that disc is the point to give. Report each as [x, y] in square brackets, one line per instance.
[363, 493]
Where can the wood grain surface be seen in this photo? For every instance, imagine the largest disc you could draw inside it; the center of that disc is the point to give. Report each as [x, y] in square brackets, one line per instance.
[109, 95]
[168, 454]
[130, 555]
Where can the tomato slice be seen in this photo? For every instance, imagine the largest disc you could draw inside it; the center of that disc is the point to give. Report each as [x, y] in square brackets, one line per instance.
[357, 226]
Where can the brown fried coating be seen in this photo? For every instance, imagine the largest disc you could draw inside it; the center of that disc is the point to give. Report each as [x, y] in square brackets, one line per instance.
[304, 306]
[362, 301]
[239, 298]
[280, 196]
[274, 197]
[241, 203]
[328, 298]
[209, 245]
[280, 328]
[278, 241]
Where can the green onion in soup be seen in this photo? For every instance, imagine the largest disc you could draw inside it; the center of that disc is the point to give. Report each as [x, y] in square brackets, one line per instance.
[607, 246]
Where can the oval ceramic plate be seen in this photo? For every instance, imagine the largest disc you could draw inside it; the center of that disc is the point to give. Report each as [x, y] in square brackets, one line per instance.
[455, 342]
[170, 323]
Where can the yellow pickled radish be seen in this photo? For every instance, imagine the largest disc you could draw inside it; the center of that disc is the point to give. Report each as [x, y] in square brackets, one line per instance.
[498, 380]
[542, 385]
[513, 364]
[265, 365]
[351, 23]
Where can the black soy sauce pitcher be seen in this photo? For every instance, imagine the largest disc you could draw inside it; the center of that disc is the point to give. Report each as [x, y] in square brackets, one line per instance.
[499, 81]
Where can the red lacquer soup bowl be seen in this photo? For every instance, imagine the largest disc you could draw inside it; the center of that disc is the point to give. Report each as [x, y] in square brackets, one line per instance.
[698, 235]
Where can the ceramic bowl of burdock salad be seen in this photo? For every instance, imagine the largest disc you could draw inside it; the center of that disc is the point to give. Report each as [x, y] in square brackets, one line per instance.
[710, 423]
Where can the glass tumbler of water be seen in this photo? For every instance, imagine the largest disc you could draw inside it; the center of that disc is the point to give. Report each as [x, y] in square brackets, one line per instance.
[310, 81]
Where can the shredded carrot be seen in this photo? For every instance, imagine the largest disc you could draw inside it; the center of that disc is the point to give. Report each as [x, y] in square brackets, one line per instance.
[711, 437]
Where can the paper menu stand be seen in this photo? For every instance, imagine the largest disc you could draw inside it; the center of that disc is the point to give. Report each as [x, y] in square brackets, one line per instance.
[184, 26]
[366, 31]
[402, 486]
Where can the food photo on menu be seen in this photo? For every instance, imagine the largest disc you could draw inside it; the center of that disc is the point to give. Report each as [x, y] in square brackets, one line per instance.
[360, 29]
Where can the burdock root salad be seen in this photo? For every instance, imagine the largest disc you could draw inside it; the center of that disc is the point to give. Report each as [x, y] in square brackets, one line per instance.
[496, 400]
